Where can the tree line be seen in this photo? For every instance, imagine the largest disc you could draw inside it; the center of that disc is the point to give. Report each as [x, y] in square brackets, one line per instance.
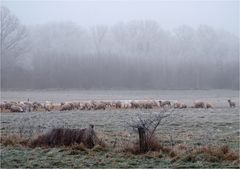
[127, 55]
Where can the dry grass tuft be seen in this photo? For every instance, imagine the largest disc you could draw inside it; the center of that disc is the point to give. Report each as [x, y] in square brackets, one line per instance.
[209, 154]
[152, 144]
[131, 147]
[14, 140]
[188, 154]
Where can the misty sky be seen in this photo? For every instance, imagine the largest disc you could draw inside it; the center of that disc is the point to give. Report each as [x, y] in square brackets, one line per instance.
[169, 14]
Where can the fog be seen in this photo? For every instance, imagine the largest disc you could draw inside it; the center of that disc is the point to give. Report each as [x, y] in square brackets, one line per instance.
[119, 45]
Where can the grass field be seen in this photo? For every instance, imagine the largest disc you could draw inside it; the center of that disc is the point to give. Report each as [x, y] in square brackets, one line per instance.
[192, 127]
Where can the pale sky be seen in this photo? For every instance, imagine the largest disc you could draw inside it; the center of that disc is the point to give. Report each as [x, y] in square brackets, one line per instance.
[169, 14]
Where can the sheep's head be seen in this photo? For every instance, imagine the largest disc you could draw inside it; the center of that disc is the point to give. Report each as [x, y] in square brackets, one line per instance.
[229, 100]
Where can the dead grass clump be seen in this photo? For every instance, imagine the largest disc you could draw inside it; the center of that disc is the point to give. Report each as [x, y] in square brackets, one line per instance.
[80, 147]
[131, 147]
[98, 148]
[67, 137]
[209, 153]
[154, 154]
[152, 144]
[14, 140]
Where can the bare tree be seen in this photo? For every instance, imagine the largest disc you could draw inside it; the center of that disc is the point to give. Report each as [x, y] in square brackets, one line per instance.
[98, 34]
[12, 33]
[146, 127]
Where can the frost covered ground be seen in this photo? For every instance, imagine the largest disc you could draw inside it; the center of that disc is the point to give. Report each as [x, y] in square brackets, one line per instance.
[219, 125]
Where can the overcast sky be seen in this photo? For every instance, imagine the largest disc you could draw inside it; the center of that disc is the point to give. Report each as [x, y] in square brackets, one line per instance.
[169, 14]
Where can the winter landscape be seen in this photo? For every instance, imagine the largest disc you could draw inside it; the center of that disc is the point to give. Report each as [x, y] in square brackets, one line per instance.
[155, 86]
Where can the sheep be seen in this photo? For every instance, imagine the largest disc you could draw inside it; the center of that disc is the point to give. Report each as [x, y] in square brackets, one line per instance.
[76, 105]
[152, 104]
[147, 104]
[48, 106]
[165, 103]
[106, 103]
[2, 106]
[199, 105]
[125, 104]
[208, 105]
[7, 105]
[36, 106]
[22, 105]
[118, 104]
[231, 104]
[156, 103]
[134, 104]
[98, 105]
[67, 106]
[16, 108]
[86, 105]
[183, 106]
[177, 105]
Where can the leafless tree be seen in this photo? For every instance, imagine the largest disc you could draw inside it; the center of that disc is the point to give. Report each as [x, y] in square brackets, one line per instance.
[98, 34]
[12, 33]
[146, 126]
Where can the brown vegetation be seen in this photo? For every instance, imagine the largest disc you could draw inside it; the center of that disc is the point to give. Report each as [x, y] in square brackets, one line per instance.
[67, 137]
[14, 140]
[185, 153]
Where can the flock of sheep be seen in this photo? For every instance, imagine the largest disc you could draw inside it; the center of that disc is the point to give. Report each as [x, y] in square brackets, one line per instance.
[99, 105]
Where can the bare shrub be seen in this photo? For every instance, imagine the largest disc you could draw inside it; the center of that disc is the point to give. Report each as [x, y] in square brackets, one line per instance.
[146, 127]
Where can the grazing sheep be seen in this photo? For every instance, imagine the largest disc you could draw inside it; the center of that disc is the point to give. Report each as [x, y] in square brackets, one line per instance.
[231, 104]
[16, 108]
[125, 104]
[76, 105]
[98, 105]
[156, 103]
[165, 103]
[7, 105]
[48, 106]
[208, 105]
[2, 106]
[134, 105]
[147, 104]
[67, 106]
[199, 105]
[177, 105]
[118, 105]
[183, 106]
[36, 106]
[86, 105]
[106, 103]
